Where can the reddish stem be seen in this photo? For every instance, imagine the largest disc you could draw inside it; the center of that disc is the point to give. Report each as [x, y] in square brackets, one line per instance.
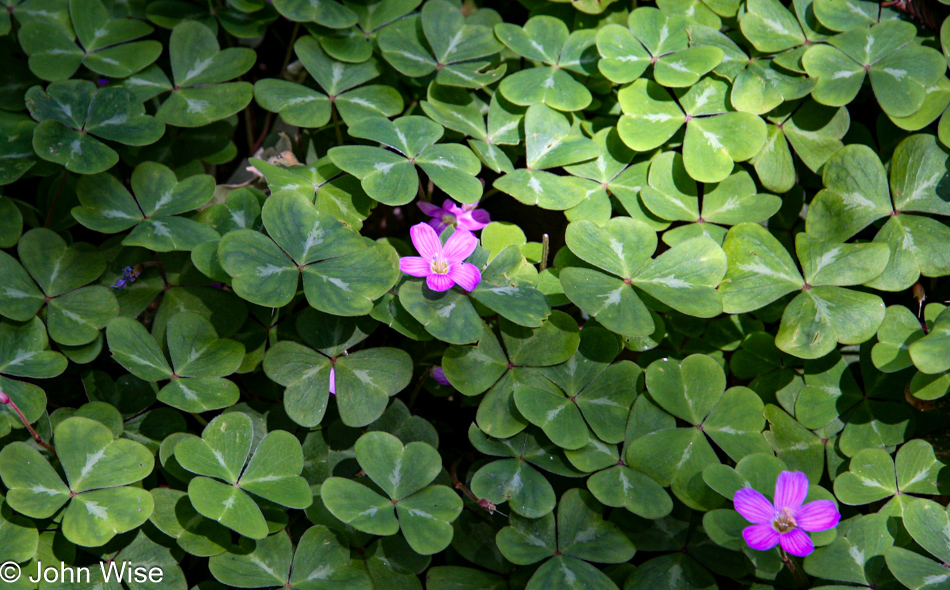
[5, 400]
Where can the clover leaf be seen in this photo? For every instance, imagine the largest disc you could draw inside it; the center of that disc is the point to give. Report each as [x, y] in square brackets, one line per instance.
[24, 352]
[576, 537]
[855, 555]
[487, 366]
[98, 468]
[319, 562]
[716, 135]
[355, 44]
[153, 214]
[200, 69]
[200, 359]
[856, 194]
[873, 476]
[900, 70]
[73, 116]
[423, 512]
[342, 271]
[107, 45]
[57, 276]
[824, 312]
[653, 37]
[362, 381]
[327, 13]
[674, 196]
[440, 40]
[547, 40]
[684, 277]
[270, 471]
[16, 154]
[461, 110]
[175, 516]
[244, 20]
[391, 178]
[305, 107]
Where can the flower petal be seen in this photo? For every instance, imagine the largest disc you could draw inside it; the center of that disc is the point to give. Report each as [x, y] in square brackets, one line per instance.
[459, 246]
[332, 380]
[438, 375]
[415, 266]
[753, 506]
[466, 275]
[437, 224]
[451, 207]
[760, 537]
[430, 209]
[425, 240]
[819, 515]
[790, 489]
[797, 543]
[439, 282]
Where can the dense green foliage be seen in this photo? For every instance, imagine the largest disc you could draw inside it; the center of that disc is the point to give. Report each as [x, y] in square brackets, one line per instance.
[718, 251]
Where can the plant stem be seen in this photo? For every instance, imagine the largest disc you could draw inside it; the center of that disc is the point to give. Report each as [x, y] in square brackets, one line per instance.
[545, 245]
[800, 578]
[336, 124]
[5, 400]
[198, 417]
[52, 207]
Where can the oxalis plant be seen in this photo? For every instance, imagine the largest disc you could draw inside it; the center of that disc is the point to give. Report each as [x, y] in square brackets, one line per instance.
[474, 295]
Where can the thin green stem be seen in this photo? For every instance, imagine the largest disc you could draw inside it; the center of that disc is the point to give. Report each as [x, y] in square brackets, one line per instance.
[336, 124]
[545, 246]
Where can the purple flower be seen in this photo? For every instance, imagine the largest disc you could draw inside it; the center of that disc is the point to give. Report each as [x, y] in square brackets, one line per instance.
[332, 379]
[102, 81]
[438, 375]
[450, 214]
[442, 266]
[786, 521]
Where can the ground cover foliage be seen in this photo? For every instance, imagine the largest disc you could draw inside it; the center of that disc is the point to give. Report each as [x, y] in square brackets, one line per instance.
[403, 294]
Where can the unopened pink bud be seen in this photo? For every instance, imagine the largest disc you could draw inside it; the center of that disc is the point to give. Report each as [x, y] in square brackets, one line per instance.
[4, 398]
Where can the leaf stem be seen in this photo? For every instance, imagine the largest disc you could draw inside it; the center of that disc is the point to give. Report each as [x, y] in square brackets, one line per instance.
[336, 124]
[52, 207]
[198, 417]
[545, 246]
[5, 400]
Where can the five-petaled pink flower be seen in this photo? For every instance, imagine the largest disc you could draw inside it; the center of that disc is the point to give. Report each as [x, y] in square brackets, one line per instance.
[786, 521]
[450, 214]
[442, 266]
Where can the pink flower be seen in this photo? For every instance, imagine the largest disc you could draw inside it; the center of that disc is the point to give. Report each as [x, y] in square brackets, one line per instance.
[442, 266]
[786, 521]
[332, 380]
[450, 214]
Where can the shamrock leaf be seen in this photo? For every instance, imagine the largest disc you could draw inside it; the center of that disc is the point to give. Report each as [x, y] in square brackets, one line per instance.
[674, 196]
[929, 352]
[694, 390]
[439, 40]
[107, 45]
[487, 366]
[900, 70]
[200, 360]
[342, 271]
[577, 536]
[813, 130]
[24, 352]
[589, 405]
[716, 136]
[322, 183]
[855, 555]
[73, 116]
[684, 277]
[404, 473]
[873, 475]
[355, 44]
[52, 274]
[461, 110]
[201, 93]
[175, 516]
[925, 520]
[515, 479]
[243, 20]
[152, 214]
[856, 195]
[824, 312]
[327, 13]
[390, 177]
[270, 471]
[547, 40]
[362, 381]
[305, 107]
[652, 37]
[16, 154]
[319, 562]
[98, 468]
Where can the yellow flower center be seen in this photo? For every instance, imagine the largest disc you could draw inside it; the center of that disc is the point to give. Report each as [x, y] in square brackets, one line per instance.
[449, 219]
[784, 522]
[439, 266]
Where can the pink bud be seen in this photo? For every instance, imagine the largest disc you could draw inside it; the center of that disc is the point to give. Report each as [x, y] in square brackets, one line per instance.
[4, 398]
